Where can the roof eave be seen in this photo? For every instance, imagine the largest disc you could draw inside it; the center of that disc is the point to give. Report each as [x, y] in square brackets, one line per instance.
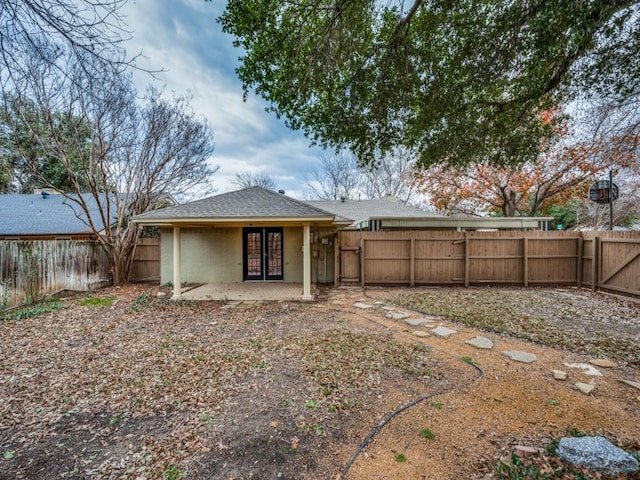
[169, 221]
[481, 222]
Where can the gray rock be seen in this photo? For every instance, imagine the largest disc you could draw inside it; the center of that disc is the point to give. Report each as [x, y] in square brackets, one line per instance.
[397, 315]
[597, 454]
[585, 388]
[559, 374]
[631, 383]
[363, 306]
[418, 321]
[443, 332]
[161, 294]
[587, 369]
[518, 356]
[480, 342]
[420, 333]
[603, 363]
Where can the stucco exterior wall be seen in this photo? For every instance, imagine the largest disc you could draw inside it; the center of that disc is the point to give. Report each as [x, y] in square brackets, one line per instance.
[215, 255]
[293, 254]
[207, 255]
[323, 260]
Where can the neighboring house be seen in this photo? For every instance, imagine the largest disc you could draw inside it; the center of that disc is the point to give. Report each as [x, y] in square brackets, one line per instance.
[46, 216]
[389, 214]
[256, 234]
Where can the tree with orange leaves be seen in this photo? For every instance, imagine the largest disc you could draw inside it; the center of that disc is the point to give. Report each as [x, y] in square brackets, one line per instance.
[557, 176]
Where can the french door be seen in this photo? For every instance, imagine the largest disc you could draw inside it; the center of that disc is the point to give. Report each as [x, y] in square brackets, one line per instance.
[262, 252]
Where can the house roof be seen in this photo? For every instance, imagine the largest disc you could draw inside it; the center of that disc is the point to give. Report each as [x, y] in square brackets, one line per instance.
[356, 210]
[250, 203]
[257, 204]
[31, 214]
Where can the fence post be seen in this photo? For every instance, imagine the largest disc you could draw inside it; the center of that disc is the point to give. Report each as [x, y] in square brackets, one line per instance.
[362, 260]
[413, 261]
[525, 261]
[337, 270]
[579, 266]
[595, 263]
[467, 253]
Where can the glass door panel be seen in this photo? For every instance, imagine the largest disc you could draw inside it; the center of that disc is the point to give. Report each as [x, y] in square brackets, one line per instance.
[274, 254]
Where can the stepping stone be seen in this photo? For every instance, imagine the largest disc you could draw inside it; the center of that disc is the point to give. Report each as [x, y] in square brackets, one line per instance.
[480, 342]
[443, 332]
[363, 306]
[420, 333]
[397, 315]
[559, 374]
[603, 363]
[518, 356]
[388, 309]
[585, 388]
[524, 451]
[587, 369]
[632, 383]
[417, 321]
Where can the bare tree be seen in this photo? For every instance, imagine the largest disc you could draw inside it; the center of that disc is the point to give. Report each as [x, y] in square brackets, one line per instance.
[132, 156]
[391, 174]
[337, 177]
[246, 180]
[91, 32]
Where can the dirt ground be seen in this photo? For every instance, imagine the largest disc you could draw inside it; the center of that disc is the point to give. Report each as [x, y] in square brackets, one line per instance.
[137, 386]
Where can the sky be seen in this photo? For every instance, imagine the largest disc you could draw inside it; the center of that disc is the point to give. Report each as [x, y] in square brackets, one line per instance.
[183, 38]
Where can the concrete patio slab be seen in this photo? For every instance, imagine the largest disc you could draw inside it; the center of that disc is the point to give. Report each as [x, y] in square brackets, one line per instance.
[247, 291]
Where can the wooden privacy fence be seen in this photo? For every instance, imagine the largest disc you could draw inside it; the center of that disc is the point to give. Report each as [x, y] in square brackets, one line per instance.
[146, 261]
[32, 269]
[472, 258]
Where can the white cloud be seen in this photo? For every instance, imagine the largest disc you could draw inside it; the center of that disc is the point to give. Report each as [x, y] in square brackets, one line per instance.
[183, 38]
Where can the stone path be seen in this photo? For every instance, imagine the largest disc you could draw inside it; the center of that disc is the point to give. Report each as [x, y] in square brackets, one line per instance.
[433, 326]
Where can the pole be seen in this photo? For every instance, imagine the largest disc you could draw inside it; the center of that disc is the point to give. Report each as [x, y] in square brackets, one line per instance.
[610, 199]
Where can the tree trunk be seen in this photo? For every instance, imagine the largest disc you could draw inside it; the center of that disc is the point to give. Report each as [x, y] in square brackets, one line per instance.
[510, 205]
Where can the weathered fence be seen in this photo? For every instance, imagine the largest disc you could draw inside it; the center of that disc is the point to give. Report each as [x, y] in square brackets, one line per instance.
[508, 257]
[32, 269]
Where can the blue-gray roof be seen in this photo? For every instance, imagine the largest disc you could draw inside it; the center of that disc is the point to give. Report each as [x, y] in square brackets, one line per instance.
[253, 202]
[53, 215]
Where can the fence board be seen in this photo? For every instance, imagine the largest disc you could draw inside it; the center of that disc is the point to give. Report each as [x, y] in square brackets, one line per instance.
[607, 260]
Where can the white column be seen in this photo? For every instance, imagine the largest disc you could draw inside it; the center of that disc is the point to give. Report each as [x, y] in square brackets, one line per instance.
[306, 264]
[177, 281]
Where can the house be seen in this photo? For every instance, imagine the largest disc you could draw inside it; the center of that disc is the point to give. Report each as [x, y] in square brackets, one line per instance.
[47, 216]
[253, 234]
[258, 235]
[388, 214]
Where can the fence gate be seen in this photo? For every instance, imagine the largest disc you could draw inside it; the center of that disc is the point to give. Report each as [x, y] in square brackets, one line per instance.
[619, 264]
[349, 263]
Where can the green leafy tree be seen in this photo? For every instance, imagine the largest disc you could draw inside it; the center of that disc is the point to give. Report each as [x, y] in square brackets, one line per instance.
[26, 159]
[460, 81]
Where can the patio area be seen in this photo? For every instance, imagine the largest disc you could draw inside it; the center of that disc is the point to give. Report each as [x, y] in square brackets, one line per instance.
[248, 291]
